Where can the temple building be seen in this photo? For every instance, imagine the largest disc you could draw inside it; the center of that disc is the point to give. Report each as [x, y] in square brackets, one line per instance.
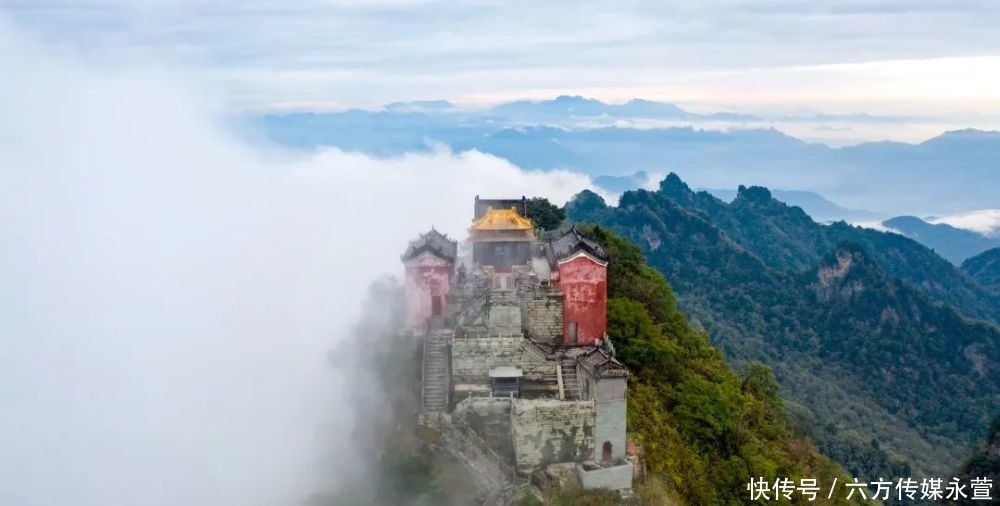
[502, 238]
[430, 264]
[513, 329]
[582, 274]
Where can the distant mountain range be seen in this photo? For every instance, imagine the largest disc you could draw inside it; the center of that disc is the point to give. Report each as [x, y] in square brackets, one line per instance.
[815, 205]
[951, 173]
[566, 107]
[954, 244]
[888, 355]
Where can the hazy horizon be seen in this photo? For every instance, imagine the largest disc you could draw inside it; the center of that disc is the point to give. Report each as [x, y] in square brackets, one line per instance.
[932, 60]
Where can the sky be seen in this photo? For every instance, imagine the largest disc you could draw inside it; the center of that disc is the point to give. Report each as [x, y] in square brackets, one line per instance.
[917, 57]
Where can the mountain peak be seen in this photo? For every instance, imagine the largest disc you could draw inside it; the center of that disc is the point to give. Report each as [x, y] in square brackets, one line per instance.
[585, 203]
[673, 187]
[970, 135]
[753, 193]
[575, 99]
[641, 107]
[420, 106]
[971, 132]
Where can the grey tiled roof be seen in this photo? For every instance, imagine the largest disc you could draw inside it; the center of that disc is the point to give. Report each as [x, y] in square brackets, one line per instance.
[604, 364]
[482, 205]
[571, 242]
[434, 242]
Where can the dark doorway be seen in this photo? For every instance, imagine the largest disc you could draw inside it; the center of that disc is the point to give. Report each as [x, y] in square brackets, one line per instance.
[436, 305]
[506, 387]
[606, 452]
[571, 330]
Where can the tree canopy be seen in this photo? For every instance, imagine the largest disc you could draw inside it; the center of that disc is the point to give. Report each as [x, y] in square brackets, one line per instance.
[545, 214]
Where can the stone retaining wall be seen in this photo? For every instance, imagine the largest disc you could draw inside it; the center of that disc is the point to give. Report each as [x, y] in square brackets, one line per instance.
[490, 419]
[612, 478]
[544, 318]
[473, 358]
[547, 431]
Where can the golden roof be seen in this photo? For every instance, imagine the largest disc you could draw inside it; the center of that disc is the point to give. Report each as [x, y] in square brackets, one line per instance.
[502, 219]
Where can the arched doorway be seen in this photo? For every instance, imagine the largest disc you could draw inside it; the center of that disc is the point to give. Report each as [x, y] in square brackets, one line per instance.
[606, 451]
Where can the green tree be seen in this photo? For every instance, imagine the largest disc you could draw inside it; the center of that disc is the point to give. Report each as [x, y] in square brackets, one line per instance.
[544, 214]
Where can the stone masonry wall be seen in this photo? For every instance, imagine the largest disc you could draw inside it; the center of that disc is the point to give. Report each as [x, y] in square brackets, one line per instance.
[544, 318]
[490, 419]
[504, 319]
[548, 431]
[472, 359]
[611, 478]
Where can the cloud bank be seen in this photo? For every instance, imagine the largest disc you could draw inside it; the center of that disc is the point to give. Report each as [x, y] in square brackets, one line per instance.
[168, 294]
[929, 56]
[983, 221]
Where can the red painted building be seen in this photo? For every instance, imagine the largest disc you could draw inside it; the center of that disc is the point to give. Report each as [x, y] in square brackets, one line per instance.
[430, 264]
[582, 267]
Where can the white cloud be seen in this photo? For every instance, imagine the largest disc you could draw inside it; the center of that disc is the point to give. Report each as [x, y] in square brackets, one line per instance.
[984, 221]
[781, 53]
[167, 294]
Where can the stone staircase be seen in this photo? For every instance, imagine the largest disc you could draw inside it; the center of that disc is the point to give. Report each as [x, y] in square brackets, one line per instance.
[489, 473]
[436, 375]
[571, 386]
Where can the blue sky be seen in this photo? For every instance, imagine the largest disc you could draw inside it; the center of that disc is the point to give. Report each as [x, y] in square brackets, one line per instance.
[939, 57]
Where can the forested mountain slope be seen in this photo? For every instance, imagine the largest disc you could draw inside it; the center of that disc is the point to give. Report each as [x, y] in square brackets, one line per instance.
[985, 269]
[786, 238]
[887, 378]
[984, 464]
[705, 430]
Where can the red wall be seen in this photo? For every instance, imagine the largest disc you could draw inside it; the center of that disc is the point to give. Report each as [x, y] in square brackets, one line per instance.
[426, 276]
[584, 283]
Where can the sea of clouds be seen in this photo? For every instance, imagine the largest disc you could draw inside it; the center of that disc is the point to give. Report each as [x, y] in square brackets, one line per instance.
[168, 294]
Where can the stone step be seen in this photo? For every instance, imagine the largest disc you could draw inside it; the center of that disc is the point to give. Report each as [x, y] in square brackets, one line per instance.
[435, 365]
[570, 385]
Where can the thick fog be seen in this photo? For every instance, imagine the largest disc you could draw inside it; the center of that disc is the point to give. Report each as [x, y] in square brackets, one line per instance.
[168, 294]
